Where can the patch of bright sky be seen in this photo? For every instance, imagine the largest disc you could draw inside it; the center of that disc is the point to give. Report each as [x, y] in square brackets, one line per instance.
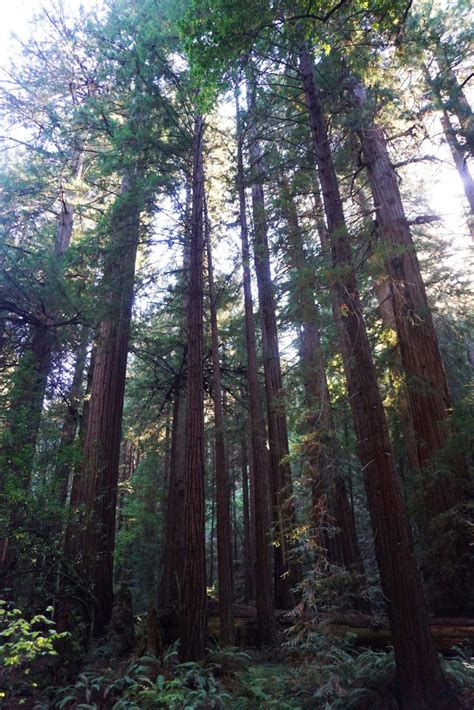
[16, 16]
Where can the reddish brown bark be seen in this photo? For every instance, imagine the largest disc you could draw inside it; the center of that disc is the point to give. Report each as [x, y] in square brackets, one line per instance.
[443, 487]
[224, 556]
[286, 572]
[193, 614]
[421, 682]
[91, 534]
[266, 627]
[173, 545]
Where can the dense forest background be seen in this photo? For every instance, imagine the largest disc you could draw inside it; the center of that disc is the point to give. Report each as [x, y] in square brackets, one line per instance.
[236, 356]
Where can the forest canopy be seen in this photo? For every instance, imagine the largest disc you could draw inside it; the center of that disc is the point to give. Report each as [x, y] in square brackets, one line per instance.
[236, 355]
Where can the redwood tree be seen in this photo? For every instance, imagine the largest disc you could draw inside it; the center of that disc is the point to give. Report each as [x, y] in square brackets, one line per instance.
[91, 534]
[224, 555]
[260, 461]
[443, 487]
[193, 612]
[285, 570]
[422, 683]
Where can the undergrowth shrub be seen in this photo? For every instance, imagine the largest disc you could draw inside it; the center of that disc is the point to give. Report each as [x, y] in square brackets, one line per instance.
[24, 644]
[148, 683]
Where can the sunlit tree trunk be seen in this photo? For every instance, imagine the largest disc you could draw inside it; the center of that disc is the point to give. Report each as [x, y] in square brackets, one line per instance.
[462, 167]
[427, 387]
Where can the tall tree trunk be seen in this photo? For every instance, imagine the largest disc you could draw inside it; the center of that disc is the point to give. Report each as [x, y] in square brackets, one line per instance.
[193, 618]
[90, 538]
[173, 546]
[285, 572]
[430, 402]
[421, 681]
[224, 555]
[330, 503]
[266, 626]
[248, 566]
[382, 292]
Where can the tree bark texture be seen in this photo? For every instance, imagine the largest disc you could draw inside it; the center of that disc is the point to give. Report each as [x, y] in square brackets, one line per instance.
[173, 549]
[91, 534]
[421, 681]
[444, 485]
[193, 614]
[224, 555]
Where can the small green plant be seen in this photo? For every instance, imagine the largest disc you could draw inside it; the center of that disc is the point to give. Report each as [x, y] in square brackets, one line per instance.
[22, 643]
[23, 640]
[148, 683]
[460, 669]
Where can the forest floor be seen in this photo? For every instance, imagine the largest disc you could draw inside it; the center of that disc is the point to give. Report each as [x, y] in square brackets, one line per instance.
[317, 674]
[341, 663]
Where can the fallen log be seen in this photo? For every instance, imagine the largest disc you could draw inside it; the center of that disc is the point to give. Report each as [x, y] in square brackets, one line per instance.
[369, 631]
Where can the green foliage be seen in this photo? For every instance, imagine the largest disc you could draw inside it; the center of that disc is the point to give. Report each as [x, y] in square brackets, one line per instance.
[147, 683]
[24, 642]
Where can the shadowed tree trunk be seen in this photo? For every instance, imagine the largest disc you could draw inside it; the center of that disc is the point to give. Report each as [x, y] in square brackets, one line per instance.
[193, 615]
[286, 573]
[36, 364]
[173, 548]
[266, 627]
[91, 535]
[224, 556]
[173, 545]
[421, 681]
[381, 289]
[248, 566]
[27, 397]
